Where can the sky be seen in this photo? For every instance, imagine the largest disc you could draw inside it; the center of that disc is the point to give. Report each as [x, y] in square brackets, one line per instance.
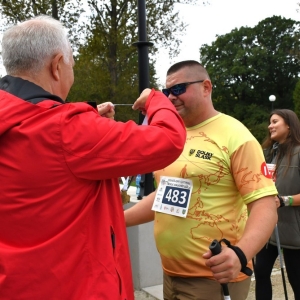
[218, 18]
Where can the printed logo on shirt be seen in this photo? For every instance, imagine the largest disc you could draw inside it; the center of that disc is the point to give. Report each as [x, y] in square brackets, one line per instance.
[268, 170]
[203, 154]
[192, 151]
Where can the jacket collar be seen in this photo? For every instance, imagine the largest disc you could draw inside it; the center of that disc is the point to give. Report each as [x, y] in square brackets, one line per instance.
[26, 90]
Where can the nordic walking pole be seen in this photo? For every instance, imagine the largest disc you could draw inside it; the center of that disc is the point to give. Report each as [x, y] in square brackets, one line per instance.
[281, 261]
[215, 248]
[253, 263]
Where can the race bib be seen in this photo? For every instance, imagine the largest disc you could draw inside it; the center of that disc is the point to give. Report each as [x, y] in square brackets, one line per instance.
[173, 196]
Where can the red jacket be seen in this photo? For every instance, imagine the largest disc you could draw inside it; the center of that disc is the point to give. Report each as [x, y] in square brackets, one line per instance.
[62, 229]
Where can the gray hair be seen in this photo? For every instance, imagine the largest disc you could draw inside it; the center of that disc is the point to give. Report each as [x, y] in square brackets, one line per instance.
[27, 47]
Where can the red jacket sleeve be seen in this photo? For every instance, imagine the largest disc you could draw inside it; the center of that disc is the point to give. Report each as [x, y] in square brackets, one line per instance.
[98, 148]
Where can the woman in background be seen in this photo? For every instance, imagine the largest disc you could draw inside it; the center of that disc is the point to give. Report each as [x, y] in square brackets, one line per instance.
[282, 148]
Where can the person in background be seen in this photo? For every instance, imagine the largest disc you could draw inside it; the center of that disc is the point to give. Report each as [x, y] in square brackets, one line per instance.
[282, 149]
[62, 227]
[220, 167]
[138, 186]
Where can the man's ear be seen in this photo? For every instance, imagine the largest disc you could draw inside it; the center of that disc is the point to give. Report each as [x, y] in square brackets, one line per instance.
[56, 65]
[207, 86]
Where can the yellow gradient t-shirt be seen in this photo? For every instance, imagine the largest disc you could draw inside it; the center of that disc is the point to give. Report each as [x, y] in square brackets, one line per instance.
[225, 163]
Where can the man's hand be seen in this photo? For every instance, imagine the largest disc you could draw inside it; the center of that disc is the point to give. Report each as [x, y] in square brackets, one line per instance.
[225, 266]
[107, 110]
[141, 101]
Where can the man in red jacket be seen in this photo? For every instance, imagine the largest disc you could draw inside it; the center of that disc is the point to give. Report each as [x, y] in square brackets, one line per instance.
[62, 228]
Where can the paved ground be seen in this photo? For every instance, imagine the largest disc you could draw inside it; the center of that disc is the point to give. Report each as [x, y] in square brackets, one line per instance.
[141, 295]
[277, 283]
[278, 291]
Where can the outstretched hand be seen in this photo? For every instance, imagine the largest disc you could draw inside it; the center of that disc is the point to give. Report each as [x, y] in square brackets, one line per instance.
[106, 109]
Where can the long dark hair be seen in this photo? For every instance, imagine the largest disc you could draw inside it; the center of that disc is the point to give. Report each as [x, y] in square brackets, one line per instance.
[292, 140]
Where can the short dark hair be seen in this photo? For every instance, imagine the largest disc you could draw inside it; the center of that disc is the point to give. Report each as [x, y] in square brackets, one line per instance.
[186, 63]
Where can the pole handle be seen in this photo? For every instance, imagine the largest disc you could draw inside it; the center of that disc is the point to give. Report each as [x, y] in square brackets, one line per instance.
[215, 248]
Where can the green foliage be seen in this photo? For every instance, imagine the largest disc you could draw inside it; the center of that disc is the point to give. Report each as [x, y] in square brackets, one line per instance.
[296, 98]
[67, 11]
[248, 65]
[107, 63]
[255, 118]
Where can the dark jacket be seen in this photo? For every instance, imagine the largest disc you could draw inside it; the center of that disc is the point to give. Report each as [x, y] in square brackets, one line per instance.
[288, 183]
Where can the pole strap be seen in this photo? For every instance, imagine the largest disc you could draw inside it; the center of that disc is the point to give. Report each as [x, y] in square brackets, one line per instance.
[242, 257]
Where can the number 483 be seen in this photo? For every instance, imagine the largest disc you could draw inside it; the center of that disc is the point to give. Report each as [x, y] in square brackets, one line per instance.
[175, 196]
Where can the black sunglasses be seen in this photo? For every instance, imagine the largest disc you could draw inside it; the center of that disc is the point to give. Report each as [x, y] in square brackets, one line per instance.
[179, 88]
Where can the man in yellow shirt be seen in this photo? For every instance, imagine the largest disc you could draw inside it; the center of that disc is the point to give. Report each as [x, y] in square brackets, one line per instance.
[206, 194]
